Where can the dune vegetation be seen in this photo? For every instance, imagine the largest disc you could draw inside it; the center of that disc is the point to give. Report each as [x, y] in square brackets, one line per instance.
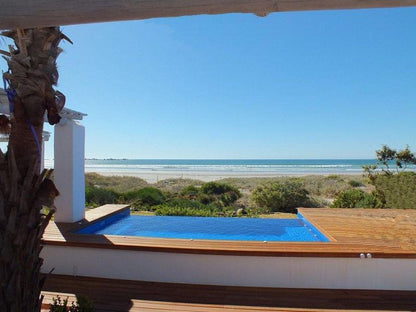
[227, 197]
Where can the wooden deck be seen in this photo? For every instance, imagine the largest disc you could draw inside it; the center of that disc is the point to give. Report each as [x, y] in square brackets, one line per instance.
[381, 227]
[122, 295]
[381, 232]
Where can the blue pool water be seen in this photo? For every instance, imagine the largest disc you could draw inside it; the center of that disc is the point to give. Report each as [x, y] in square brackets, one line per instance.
[243, 229]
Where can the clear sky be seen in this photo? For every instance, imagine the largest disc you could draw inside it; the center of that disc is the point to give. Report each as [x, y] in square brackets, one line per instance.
[324, 84]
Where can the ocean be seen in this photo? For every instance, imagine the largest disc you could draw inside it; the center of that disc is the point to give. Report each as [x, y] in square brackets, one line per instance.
[283, 166]
[278, 166]
[153, 170]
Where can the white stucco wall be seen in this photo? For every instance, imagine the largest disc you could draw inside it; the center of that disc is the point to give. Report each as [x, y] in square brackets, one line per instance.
[291, 272]
[69, 167]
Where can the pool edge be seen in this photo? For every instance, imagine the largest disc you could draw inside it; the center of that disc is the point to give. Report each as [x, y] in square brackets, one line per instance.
[320, 233]
[106, 220]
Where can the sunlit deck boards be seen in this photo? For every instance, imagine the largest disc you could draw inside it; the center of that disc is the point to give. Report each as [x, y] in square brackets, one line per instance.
[59, 232]
[383, 233]
[122, 295]
[382, 227]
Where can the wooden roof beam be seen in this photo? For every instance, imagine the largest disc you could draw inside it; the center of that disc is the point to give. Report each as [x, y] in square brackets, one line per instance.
[25, 14]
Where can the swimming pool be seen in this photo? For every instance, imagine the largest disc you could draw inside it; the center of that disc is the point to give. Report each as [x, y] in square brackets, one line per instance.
[240, 229]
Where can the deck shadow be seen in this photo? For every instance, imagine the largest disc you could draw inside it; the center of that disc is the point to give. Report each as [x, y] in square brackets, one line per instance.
[123, 295]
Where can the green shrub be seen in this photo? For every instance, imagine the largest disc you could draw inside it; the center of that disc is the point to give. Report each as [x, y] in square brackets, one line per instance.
[215, 188]
[222, 194]
[59, 305]
[370, 201]
[230, 197]
[144, 198]
[186, 207]
[335, 177]
[355, 183]
[281, 196]
[355, 198]
[95, 196]
[206, 199]
[316, 202]
[167, 210]
[180, 202]
[190, 191]
[83, 304]
[397, 190]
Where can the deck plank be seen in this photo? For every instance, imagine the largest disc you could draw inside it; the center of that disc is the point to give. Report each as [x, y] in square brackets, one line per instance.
[382, 227]
[123, 295]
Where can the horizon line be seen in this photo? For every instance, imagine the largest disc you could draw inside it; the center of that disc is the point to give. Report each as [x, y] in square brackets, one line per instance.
[123, 158]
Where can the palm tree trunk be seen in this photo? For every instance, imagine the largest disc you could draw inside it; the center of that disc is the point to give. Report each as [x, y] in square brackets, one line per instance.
[23, 190]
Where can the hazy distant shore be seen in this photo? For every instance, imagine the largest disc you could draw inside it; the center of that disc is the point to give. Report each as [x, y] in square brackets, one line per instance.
[155, 176]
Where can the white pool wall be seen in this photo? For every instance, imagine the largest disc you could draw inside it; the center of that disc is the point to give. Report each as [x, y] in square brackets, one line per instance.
[253, 271]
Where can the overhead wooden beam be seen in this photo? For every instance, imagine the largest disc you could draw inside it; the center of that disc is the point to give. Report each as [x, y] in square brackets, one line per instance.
[33, 13]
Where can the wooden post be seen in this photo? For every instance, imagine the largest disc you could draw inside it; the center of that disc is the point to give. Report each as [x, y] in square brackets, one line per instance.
[25, 14]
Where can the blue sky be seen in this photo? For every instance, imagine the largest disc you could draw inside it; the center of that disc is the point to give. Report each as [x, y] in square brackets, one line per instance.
[323, 84]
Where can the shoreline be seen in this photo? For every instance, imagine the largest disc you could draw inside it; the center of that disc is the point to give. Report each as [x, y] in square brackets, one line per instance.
[152, 176]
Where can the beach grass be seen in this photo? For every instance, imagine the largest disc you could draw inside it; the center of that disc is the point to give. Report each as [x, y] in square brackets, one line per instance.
[322, 189]
[317, 185]
[116, 183]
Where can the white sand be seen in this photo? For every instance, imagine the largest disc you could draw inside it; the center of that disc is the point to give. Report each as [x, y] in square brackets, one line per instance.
[155, 176]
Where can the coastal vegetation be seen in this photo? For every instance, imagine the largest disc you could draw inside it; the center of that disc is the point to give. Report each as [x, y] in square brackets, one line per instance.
[82, 304]
[283, 196]
[208, 199]
[394, 186]
[227, 197]
[356, 198]
[398, 190]
[384, 185]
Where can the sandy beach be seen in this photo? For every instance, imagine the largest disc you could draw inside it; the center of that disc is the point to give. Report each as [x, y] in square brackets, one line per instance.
[206, 176]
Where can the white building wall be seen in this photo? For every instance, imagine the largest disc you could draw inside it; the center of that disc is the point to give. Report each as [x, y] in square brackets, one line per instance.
[290, 272]
[69, 149]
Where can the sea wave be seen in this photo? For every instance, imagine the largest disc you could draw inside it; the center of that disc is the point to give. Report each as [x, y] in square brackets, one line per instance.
[224, 166]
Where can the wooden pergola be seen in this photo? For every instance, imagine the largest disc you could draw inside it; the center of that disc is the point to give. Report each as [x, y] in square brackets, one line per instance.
[25, 14]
